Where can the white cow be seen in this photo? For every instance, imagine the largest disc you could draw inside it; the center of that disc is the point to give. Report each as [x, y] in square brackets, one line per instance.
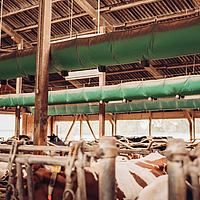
[134, 175]
[157, 190]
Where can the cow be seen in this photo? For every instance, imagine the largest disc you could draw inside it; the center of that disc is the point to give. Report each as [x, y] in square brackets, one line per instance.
[131, 177]
[3, 169]
[157, 190]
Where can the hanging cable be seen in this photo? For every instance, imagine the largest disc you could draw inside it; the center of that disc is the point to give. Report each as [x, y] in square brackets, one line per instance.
[1, 19]
[98, 16]
[71, 18]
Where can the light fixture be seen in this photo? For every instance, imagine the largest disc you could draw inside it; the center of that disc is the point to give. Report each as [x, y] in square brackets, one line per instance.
[179, 96]
[83, 74]
[152, 99]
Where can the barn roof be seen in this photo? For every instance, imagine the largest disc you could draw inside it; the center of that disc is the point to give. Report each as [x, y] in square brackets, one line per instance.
[79, 17]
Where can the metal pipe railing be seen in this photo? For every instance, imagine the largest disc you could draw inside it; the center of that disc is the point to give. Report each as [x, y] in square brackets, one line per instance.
[107, 174]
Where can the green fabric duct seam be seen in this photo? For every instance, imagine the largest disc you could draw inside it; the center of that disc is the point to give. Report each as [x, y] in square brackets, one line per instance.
[136, 106]
[188, 85]
[157, 41]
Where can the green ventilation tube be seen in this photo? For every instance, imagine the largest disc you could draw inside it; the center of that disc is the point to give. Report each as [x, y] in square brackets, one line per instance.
[183, 86]
[157, 41]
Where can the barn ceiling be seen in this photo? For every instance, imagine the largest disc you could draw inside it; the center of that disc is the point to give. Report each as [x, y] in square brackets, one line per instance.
[79, 17]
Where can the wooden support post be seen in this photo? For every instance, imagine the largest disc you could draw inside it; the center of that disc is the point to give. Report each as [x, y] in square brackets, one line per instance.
[17, 109]
[17, 121]
[50, 125]
[150, 123]
[75, 119]
[42, 73]
[193, 125]
[113, 127]
[191, 121]
[81, 127]
[86, 118]
[101, 119]
[102, 81]
[24, 124]
[115, 122]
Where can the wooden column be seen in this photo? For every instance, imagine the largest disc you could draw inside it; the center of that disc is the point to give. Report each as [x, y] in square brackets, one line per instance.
[74, 121]
[102, 81]
[101, 119]
[90, 127]
[42, 72]
[24, 124]
[81, 127]
[17, 109]
[193, 125]
[190, 117]
[150, 123]
[115, 122]
[50, 122]
[17, 121]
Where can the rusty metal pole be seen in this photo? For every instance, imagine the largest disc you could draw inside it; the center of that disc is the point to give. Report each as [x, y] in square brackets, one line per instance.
[176, 156]
[107, 145]
[42, 73]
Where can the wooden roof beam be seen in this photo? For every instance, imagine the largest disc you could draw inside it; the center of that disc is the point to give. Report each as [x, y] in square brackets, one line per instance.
[15, 36]
[75, 83]
[26, 9]
[139, 22]
[153, 72]
[105, 9]
[158, 19]
[93, 13]
[188, 116]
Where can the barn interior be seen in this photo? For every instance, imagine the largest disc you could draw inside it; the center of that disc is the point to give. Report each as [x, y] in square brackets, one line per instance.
[101, 63]
[83, 24]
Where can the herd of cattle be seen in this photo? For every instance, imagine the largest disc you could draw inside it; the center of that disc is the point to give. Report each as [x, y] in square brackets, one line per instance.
[144, 178]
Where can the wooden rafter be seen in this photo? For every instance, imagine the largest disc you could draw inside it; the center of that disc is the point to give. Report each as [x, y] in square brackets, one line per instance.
[75, 83]
[153, 71]
[14, 35]
[105, 9]
[93, 13]
[188, 116]
[7, 89]
[131, 24]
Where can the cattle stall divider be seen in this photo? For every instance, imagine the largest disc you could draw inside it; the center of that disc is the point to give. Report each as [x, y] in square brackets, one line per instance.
[74, 158]
[183, 166]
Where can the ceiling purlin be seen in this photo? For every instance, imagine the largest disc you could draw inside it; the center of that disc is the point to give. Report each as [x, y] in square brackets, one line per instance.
[105, 9]
[93, 13]
[156, 74]
[26, 9]
[75, 83]
[14, 35]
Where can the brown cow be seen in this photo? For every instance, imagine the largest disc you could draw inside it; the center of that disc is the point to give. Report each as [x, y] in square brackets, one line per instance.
[131, 177]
